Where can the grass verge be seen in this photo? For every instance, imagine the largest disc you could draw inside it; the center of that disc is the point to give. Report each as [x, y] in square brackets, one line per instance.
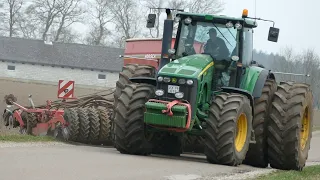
[316, 128]
[25, 138]
[308, 173]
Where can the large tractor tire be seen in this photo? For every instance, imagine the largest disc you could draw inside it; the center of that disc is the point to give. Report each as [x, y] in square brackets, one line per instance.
[290, 126]
[130, 135]
[228, 129]
[71, 116]
[129, 71]
[94, 123]
[84, 124]
[257, 154]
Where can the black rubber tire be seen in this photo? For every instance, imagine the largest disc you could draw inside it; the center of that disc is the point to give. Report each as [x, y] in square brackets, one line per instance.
[221, 129]
[284, 150]
[105, 124]
[129, 71]
[32, 121]
[71, 116]
[84, 124]
[166, 144]
[129, 122]
[94, 124]
[193, 144]
[257, 154]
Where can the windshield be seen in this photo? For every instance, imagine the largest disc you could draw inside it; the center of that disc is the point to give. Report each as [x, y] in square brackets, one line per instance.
[207, 37]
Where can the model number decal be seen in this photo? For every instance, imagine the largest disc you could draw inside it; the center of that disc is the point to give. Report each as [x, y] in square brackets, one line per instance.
[150, 56]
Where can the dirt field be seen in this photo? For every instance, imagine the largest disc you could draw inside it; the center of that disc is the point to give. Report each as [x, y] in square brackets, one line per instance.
[40, 93]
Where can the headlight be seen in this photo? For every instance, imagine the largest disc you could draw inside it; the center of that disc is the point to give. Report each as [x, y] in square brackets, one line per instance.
[189, 82]
[160, 78]
[182, 81]
[179, 95]
[166, 79]
[159, 92]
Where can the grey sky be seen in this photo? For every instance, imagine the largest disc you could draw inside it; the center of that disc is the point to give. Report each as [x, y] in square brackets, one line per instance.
[296, 19]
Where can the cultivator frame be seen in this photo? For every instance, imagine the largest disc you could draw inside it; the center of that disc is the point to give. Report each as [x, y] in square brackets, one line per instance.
[85, 119]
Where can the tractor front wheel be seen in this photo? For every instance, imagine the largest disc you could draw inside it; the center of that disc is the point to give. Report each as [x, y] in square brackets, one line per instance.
[130, 135]
[290, 126]
[228, 130]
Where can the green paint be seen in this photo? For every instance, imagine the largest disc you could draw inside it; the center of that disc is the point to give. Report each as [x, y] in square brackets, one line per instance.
[250, 78]
[154, 115]
[187, 67]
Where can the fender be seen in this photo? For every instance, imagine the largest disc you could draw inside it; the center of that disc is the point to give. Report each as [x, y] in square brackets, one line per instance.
[240, 91]
[263, 76]
[146, 80]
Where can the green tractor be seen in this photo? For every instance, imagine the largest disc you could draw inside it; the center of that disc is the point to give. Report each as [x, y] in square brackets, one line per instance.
[214, 93]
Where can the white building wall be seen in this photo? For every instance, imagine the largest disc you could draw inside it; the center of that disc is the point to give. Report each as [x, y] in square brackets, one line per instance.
[54, 74]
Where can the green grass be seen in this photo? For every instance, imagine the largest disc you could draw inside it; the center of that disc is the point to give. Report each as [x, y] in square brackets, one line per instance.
[308, 173]
[25, 138]
[316, 128]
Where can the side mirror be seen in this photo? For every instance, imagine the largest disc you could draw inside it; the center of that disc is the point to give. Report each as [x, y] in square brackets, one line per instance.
[273, 34]
[151, 20]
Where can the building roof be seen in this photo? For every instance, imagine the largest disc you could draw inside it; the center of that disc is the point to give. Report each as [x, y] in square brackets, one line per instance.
[61, 54]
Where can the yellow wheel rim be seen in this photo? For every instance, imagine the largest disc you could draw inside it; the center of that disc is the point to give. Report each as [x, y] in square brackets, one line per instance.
[241, 135]
[305, 129]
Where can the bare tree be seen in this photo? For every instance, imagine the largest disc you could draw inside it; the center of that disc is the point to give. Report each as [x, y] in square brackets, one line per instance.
[126, 19]
[101, 17]
[205, 6]
[69, 14]
[44, 13]
[10, 15]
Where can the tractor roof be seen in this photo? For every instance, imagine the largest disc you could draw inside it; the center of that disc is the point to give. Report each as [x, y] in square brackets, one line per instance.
[248, 22]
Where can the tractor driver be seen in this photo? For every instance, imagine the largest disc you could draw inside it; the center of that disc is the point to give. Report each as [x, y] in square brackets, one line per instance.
[216, 46]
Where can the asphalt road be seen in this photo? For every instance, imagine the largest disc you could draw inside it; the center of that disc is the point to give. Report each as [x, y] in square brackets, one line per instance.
[81, 162]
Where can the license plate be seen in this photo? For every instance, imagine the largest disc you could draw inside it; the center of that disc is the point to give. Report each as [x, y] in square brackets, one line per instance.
[173, 89]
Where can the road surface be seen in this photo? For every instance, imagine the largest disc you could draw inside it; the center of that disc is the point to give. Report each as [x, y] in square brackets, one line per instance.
[81, 162]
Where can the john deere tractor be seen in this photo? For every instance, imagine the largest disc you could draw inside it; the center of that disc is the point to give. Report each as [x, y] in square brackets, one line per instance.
[207, 87]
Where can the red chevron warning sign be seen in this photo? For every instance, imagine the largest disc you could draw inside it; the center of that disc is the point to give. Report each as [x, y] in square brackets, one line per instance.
[66, 89]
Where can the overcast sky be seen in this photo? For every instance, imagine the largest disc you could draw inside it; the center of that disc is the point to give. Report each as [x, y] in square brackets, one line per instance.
[297, 21]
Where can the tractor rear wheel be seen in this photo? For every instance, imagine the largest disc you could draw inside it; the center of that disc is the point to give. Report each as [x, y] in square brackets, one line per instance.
[71, 116]
[257, 154]
[130, 135]
[228, 129]
[290, 126]
[129, 71]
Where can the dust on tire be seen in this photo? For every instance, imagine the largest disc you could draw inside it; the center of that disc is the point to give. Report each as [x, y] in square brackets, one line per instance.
[71, 116]
[129, 122]
[221, 129]
[284, 150]
[94, 122]
[84, 124]
[257, 154]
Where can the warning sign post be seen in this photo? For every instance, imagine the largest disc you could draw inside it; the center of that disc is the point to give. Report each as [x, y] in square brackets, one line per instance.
[66, 89]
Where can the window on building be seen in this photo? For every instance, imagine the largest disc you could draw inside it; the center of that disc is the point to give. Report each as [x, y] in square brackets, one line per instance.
[101, 76]
[12, 68]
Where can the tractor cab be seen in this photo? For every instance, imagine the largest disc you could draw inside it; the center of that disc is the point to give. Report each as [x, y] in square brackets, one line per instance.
[227, 40]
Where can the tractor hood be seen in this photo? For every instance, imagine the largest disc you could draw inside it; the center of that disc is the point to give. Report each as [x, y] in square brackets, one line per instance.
[188, 66]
